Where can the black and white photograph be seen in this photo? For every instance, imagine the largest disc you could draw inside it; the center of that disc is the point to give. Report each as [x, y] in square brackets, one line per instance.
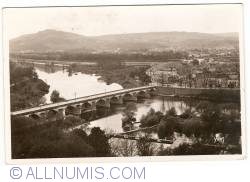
[124, 81]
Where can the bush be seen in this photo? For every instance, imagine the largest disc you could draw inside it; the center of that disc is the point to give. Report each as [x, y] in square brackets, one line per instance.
[20, 123]
[144, 147]
[186, 114]
[151, 118]
[70, 120]
[168, 126]
[55, 97]
[49, 142]
[192, 126]
[192, 149]
[171, 112]
[64, 146]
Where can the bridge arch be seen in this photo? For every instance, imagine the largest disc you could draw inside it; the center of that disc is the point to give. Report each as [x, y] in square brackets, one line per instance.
[152, 89]
[52, 115]
[34, 116]
[129, 97]
[52, 111]
[114, 99]
[143, 94]
[86, 105]
[70, 110]
[103, 103]
[43, 115]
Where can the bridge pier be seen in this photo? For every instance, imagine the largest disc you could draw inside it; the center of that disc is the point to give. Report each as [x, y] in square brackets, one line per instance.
[93, 106]
[52, 115]
[43, 115]
[61, 114]
[77, 110]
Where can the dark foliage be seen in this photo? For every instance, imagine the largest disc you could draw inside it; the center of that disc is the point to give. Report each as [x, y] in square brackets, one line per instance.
[168, 126]
[192, 149]
[55, 97]
[151, 118]
[49, 140]
[26, 89]
[101, 57]
[144, 147]
[98, 140]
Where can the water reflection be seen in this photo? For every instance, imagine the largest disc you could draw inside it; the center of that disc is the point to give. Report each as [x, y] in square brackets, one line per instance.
[73, 85]
[113, 121]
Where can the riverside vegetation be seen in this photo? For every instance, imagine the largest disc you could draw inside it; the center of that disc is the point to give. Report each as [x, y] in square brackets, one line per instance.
[26, 89]
[115, 72]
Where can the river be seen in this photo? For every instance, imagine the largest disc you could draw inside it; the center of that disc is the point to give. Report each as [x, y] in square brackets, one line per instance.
[71, 85]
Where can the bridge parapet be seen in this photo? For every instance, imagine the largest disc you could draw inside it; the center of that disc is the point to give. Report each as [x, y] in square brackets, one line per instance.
[87, 102]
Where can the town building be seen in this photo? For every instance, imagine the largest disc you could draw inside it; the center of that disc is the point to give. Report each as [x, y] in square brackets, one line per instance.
[163, 75]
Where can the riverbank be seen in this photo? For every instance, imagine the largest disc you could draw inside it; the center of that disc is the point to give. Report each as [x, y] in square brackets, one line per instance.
[26, 89]
[126, 76]
[28, 94]
[212, 94]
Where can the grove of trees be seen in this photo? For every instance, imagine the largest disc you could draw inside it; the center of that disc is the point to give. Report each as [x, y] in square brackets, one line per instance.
[26, 89]
[50, 140]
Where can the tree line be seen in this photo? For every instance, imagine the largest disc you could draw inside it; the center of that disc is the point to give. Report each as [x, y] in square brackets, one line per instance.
[68, 56]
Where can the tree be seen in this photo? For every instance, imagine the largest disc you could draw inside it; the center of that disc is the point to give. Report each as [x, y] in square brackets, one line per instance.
[70, 120]
[55, 97]
[192, 126]
[211, 117]
[141, 74]
[98, 140]
[123, 147]
[21, 122]
[151, 118]
[191, 149]
[202, 106]
[80, 133]
[144, 147]
[128, 116]
[186, 114]
[168, 126]
[171, 112]
[54, 143]
[49, 142]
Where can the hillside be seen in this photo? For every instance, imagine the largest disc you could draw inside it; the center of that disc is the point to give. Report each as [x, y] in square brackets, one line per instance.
[52, 40]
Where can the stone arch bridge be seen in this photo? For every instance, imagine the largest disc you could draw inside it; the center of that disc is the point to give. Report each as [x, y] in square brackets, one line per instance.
[77, 106]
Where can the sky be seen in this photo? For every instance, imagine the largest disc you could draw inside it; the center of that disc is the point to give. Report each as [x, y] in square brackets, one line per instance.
[94, 21]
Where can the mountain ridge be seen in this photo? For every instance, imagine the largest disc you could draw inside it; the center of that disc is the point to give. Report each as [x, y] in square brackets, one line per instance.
[54, 40]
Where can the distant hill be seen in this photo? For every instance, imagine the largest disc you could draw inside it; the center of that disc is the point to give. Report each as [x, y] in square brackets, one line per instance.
[52, 40]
